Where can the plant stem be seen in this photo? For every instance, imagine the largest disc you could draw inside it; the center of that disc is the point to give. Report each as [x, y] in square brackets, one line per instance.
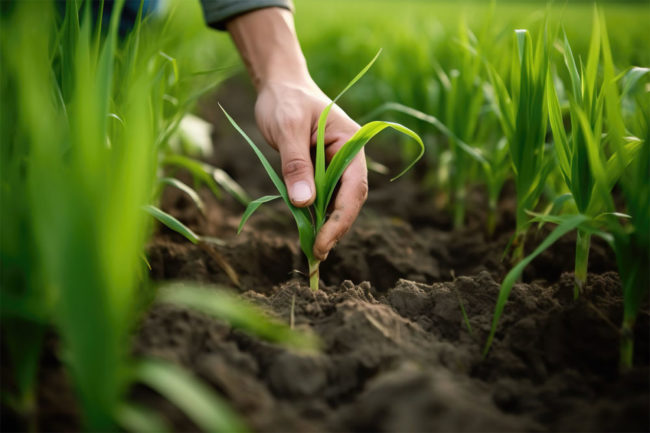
[583, 241]
[520, 235]
[491, 218]
[314, 274]
[459, 214]
[518, 248]
[627, 345]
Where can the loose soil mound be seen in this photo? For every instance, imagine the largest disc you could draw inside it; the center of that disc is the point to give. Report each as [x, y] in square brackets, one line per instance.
[398, 354]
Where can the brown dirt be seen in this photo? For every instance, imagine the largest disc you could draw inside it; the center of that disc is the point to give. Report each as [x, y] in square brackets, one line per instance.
[397, 353]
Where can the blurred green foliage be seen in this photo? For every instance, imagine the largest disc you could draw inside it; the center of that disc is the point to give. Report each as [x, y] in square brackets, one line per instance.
[87, 117]
[417, 34]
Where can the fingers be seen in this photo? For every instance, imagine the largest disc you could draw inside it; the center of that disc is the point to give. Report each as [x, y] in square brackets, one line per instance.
[297, 168]
[347, 205]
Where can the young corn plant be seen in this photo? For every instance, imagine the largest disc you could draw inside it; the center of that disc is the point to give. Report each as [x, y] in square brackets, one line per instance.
[468, 122]
[591, 180]
[572, 149]
[523, 117]
[310, 220]
[627, 113]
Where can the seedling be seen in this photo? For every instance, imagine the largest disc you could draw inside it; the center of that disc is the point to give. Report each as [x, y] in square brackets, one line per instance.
[310, 220]
[590, 176]
[573, 149]
[523, 117]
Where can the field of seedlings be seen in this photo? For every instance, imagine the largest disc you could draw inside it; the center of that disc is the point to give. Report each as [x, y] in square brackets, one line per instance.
[155, 277]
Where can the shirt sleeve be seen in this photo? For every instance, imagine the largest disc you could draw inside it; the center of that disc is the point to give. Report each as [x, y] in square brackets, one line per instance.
[217, 12]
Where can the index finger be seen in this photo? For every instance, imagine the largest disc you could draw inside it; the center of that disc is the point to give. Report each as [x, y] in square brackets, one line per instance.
[350, 198]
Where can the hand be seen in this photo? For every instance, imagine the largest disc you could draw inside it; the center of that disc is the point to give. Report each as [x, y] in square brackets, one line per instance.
[287, 114]
[288, 106]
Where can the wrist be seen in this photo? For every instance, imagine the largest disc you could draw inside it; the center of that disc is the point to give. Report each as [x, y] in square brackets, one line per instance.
[267, 42]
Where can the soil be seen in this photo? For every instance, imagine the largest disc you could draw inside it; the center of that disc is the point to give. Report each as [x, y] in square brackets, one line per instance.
[397, 352]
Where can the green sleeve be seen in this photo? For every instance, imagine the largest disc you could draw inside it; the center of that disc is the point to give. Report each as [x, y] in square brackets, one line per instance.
[217, 12]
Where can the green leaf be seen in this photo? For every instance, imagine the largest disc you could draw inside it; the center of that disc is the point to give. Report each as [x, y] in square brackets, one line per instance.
[301, 215]
[139, 419]
[595, 155]
[473, 152]
[279, 185]
[561, 142]
[614, 168]
[568, 224]
[593, 58]
[252, 207]
[632, 78]
[193, 195]
[239, 314]
[172, 223]
[199, 402]
[346, 154]
[226, 182]
[319, 171]
[196, 168]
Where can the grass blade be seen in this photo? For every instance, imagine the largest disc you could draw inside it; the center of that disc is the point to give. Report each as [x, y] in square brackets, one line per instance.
[136, 418]
[172, 223]
[319, 170]
[432, 120]
[252, 207]
[346, 154]
[200, 403]
[193, 195]
[196, 168]
[239, 314]
[301, 215]
[226, 182]
[279, 185]
[569, 223]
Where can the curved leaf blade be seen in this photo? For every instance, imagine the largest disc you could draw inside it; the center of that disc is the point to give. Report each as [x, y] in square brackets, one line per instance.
[279, 185]
[346, 154]
[191, 193]
[252, 207]
[319, 170]
[172, 223]
[199, 402]
[301, 215]
[196, 168]
[566, 226]
[136, 418]
[238, 313]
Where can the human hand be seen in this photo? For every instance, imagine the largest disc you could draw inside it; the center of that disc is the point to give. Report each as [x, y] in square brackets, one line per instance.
[287, 114]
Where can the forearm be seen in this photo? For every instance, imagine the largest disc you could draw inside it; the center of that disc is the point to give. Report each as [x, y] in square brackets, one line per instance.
[266, 40]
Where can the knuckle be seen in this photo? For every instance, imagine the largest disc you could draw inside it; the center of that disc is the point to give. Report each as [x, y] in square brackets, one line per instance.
[363, 190]
[295, 167]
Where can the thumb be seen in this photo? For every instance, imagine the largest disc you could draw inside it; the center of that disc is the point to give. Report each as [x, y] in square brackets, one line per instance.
[297, 168]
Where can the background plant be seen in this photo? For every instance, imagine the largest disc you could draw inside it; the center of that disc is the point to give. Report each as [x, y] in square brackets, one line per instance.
[592, 163]
[573, 151]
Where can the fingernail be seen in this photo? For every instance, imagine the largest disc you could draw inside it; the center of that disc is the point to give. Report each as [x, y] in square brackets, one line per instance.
[300, 191]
